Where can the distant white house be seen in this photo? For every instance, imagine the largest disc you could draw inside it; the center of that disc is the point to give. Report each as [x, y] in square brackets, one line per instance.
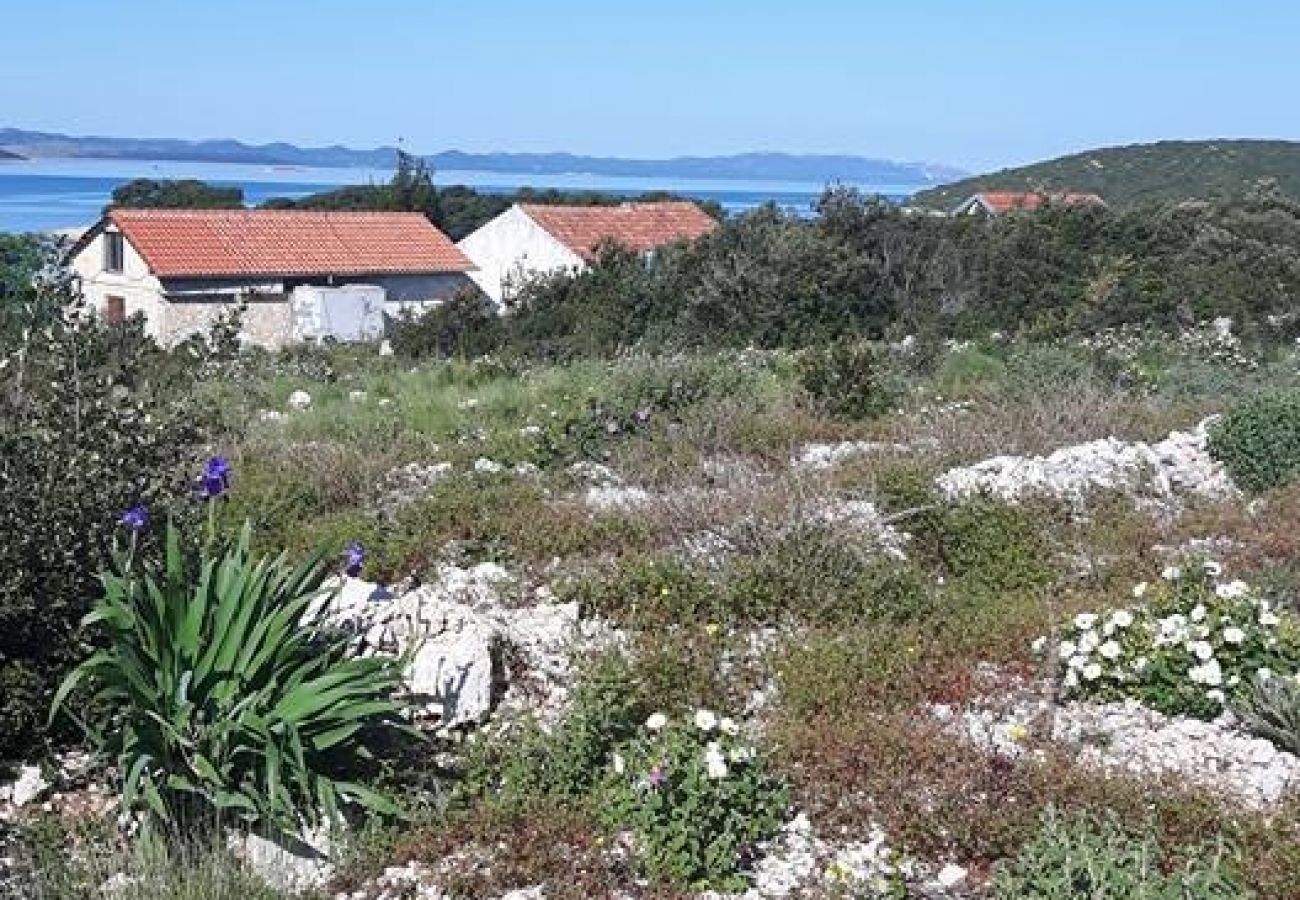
[302, 274]
[531, 239]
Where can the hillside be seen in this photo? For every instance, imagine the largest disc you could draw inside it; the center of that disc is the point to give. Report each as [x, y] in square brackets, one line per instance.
[760, 166]
[1141, 173]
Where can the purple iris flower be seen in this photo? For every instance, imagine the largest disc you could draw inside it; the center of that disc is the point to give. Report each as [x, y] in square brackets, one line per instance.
[355, 559]
[136, 518]
[658, 775]
[215, 480]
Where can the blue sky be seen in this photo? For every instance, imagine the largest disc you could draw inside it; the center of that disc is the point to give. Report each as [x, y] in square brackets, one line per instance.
[979, 83]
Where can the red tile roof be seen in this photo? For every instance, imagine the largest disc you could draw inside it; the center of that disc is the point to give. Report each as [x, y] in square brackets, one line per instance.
[1005, 201]
[257, 242]
[636, 226]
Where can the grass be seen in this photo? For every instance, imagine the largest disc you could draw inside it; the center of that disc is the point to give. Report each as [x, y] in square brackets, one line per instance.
[856, 645]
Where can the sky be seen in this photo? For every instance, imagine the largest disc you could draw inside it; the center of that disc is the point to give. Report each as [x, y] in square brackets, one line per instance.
[978, 84]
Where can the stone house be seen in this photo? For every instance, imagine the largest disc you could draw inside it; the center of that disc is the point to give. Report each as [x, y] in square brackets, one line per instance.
[998, 203]
[531, 239]
[302, 274]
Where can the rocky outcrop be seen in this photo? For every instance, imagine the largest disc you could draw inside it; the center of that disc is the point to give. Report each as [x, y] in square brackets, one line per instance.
[456, 634]
[1178, 466]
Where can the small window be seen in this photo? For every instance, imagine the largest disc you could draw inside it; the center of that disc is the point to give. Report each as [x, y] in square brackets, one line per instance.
[115, 309]
[112, 251]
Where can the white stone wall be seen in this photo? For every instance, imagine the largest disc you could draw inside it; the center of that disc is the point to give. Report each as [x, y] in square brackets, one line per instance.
[140, 291]
[511, 248]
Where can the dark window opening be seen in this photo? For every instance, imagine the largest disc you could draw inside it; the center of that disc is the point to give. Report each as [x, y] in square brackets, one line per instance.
[114, 310]
[113, 251]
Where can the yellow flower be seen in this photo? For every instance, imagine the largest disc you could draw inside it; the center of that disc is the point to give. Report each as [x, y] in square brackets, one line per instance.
[1018, 733]
[711, 628]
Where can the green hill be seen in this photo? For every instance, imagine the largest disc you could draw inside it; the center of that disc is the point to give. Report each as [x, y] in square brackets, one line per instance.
[1142, 173]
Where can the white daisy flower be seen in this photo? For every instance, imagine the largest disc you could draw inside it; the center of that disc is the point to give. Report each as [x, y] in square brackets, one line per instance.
[1085, 621]
[1232, 590]
[1202, 649]
[1139, 589]
[728, 726]
[1198, 612]
[1171, 573]
[1110, 650]
[620, 766]
[1234, 635]
[705, 720]
[1213, 569]
[1091, 672]
[656, 722]
[1122, 618]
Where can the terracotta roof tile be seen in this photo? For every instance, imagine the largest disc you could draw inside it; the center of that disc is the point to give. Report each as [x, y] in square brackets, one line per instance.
[1005, 201]
[636, 226]
[242, 242]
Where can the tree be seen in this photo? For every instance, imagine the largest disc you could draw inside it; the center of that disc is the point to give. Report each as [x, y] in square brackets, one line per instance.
[184, 194]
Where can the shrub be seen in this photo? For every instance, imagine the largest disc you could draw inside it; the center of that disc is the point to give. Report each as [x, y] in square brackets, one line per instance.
[985, 544]
[466, 326]
[1259, 441]
[224, 697]
[1271, 709]
[1072, 859]
[93, 419]
[1194, 643]
[697, 797]
[573, 757]
[847, 380]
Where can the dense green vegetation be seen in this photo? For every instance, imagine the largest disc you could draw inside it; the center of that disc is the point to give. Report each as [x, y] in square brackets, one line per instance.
[184, 194]
[862, 267]
[1164, 172]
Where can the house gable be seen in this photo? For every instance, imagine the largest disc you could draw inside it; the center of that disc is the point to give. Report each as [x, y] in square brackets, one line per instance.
[512, 248]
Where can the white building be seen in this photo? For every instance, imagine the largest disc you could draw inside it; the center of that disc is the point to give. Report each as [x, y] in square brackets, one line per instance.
[302, 274]
[531, 239]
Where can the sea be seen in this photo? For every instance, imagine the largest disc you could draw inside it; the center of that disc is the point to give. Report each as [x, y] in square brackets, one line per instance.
[49, 195]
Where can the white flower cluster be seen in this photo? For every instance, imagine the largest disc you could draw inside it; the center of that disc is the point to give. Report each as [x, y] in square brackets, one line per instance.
[717, 761]
[1193, 640]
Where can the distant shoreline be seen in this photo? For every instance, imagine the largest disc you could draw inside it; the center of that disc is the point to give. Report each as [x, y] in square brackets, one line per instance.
[767, 166]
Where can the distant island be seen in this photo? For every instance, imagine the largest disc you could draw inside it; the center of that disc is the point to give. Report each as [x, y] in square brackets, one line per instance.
[753, 166]
[1166, 171]
[7, 154]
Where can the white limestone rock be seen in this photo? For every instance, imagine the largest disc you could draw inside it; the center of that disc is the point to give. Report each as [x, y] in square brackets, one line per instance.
[818, 457]
[1128, 737]
[29, 786]
[286, 864]
[1160, 473]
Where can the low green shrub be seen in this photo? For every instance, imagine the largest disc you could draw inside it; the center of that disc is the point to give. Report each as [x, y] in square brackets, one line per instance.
[570, 759]
[848, 380]
[465, 326]
[698, 797]
[1258, 441]
[1078, 858]
[223, 697]
[984, 543]
[1187, 645]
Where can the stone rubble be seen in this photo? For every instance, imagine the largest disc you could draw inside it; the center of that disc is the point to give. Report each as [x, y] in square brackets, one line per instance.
[1128, 737]
[459, 630]
[818, 457]
[1161, 472]
[798, 861]
[863, 517]
[407, 484]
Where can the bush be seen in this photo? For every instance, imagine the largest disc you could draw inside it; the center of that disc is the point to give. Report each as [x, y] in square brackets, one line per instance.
[847, 380]
[224, 698]
[573, 757]
[1194, 643]
[1271, 709]
[698, 799]
[93, 420]
[1079, 859]
[465, 326]
[985, 544]
[1259, 441]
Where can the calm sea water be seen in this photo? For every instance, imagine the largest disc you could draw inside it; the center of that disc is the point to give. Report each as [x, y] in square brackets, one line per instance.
[48, 195]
